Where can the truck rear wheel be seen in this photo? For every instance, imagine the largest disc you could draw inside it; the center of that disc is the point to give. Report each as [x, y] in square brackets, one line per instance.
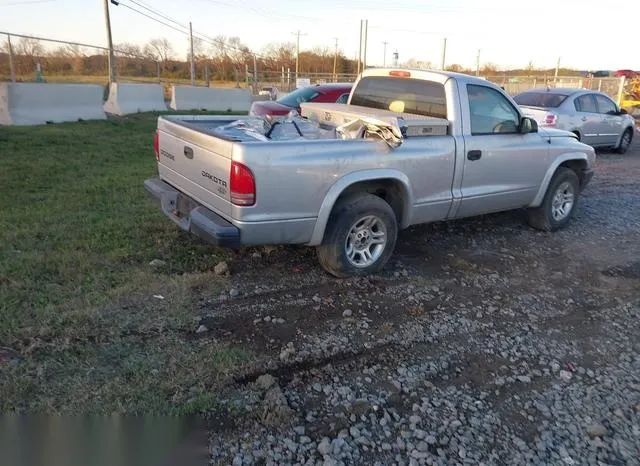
[360, 236]
[559, 202]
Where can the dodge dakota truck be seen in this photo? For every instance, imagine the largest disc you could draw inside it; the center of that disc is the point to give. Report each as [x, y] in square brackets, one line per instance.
[449, 146]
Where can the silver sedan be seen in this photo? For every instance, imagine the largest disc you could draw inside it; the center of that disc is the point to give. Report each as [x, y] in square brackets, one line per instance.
[591, 115]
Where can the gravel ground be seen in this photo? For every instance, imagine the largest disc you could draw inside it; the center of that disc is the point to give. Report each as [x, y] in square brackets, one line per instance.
[483, 342]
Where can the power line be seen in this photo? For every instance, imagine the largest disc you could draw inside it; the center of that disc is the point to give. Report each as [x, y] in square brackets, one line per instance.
[152, 18]
[27, 2]
[158, 13]
[198, 35]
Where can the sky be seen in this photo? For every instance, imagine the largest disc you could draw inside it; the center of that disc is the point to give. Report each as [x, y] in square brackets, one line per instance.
[583, 34]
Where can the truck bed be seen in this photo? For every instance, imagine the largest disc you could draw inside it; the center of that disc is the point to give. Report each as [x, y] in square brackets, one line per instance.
[206, 124]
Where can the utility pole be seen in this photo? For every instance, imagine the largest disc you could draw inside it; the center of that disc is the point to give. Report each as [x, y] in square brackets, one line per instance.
[193, 63]
[444, 53]
[478, 64]
[360, 48]
[366, 30]
[555, 77]
[384, 58]
[335, 60]
[11, 66]
[255, 74]
[298, 34]
[111, 61]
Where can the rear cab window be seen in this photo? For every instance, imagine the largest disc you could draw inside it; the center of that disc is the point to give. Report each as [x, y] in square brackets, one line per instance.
[417, 96]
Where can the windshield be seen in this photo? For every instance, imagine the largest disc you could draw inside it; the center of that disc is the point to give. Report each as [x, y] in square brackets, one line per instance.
[415, 96]
[295, 98]
[540, 99]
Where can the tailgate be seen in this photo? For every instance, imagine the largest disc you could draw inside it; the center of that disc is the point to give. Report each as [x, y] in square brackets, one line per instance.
[196, 163]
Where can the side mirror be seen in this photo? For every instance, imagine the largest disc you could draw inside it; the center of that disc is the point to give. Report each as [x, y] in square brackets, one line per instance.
[623, 112]
[528, 125]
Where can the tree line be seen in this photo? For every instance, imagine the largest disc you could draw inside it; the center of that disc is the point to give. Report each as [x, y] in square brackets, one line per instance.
[225, 59]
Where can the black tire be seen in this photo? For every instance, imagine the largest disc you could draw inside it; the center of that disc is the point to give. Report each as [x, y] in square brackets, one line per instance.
[542, 217]
[624, 145]
[332, 253]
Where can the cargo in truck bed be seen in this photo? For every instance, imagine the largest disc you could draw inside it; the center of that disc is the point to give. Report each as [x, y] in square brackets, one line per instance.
[333, 115]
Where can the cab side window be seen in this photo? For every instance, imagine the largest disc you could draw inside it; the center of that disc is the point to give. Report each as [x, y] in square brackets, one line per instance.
[491, 112]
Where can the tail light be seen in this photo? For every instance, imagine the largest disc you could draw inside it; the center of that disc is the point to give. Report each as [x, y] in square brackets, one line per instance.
[243, 185]
[400, 73]
[550, 119]
[156, 145]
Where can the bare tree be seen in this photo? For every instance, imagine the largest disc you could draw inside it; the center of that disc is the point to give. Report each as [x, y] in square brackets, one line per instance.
[73, 57]
[278, 55]
[455, 68]
[220, 58]
[489, 69]
[323, 56]
[128, 49]
[159, 49]
[31, 48]
[29, 52]
[239, 53]
[420, 64]
[530, 68]
[199, 49]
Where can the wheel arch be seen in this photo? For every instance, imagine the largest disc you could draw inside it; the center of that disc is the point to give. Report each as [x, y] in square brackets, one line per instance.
[628, 128]
[575, 161]
[391, 185]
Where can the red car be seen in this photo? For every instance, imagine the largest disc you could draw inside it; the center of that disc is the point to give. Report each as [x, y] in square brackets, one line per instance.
[326, 93]
[627, 74]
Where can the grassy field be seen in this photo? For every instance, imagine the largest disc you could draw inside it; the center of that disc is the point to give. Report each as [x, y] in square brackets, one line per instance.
[80, 329]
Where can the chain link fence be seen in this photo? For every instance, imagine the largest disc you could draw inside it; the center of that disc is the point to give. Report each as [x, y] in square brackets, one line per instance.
[36, 59]
[613, 87]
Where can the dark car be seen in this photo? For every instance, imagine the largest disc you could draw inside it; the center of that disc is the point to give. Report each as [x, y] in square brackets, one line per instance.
[325, 93]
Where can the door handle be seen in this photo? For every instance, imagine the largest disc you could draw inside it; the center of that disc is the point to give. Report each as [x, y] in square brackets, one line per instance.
[584, 118]
[474, 154]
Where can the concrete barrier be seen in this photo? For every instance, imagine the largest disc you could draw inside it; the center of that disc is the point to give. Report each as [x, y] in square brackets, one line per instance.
[40, 103]
[259, 98]
[126, 98]
[210, 98]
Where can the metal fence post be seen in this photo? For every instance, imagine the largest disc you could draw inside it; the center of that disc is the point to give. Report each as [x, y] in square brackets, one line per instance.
[620, 90]
[11, 66]
[599, 85]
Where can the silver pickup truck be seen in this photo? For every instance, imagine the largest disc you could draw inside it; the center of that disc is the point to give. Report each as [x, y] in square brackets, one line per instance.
[470, 151]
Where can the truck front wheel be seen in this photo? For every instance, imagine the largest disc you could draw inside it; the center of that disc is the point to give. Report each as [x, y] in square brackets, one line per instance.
[360, 236]
[559, 202]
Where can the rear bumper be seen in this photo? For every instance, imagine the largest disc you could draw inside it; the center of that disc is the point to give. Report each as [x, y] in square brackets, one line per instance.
[200, 221]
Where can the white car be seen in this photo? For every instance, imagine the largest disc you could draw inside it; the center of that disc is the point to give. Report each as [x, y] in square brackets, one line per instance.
[271, 91]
